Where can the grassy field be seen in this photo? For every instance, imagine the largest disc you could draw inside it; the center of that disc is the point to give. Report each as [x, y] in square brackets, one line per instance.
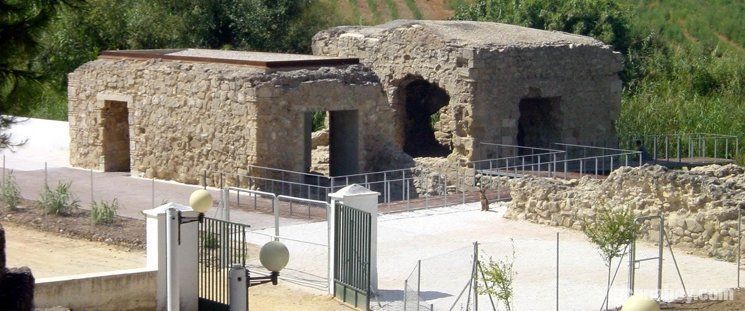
[369, 12]
[698, 83]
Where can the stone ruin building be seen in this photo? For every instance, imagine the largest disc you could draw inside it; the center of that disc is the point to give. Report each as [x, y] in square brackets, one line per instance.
[485, 82]
[173, 113]
[394, 92]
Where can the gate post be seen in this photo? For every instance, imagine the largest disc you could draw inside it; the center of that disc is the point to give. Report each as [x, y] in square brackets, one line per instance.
[187, 255]
[366, 200]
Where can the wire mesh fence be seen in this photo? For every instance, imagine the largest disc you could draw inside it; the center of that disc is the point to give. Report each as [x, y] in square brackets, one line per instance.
[567, 274]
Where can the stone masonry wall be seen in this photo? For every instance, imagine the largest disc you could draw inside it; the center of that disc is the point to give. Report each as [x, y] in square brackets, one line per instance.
[584, 78]
[486, 69]
[188, 117]
[402, 56]
[700, 206]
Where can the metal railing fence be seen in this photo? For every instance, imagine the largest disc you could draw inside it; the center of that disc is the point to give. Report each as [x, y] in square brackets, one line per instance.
[685, 147]
[581, 160]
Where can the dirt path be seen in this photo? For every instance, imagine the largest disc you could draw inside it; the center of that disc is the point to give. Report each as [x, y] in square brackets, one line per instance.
[51, 255]
[286, 296]
[729, 41]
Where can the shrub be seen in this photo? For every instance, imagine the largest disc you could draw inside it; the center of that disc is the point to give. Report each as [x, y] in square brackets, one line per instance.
[611, 231]
[498, 277]
[104, 212]
[59, 201]
[210, 241]
[10, 195]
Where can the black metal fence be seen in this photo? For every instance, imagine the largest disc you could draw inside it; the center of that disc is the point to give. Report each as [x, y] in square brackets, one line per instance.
[352, 256]
[220, 245]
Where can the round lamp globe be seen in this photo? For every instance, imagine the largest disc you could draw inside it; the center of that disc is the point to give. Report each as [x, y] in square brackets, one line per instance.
[640, 303]
[200, 200]
[274, 256]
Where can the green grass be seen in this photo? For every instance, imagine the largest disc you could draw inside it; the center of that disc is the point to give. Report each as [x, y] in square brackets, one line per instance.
[373, 5]
[697, 82]
[411, 4]
[357, 16]
[392, 9]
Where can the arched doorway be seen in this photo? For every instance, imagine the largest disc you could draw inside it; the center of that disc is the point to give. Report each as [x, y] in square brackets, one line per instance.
[423, 101]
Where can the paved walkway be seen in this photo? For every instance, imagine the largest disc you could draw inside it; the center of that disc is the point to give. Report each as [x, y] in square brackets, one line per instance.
[47, 144]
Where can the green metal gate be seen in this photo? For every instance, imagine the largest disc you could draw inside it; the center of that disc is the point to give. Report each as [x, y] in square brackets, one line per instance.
[352, 256]
[220, 245]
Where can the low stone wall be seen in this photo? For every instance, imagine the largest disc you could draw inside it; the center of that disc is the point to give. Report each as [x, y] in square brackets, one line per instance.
[133, 289]
[700, 205]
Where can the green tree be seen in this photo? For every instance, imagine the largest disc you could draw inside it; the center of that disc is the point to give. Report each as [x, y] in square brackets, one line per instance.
[611, 231]
[605, 20]
[79, 35]
[21, 24]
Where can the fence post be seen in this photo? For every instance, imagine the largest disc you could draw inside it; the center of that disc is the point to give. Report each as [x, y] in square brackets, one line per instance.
[172, 284]
[3, 169]
[406, 286]
[475, 276]
[46, 180]
[152, 191]
[557, 271]
[739, 243]
[91, 186]
[238, 287]
[418, 281]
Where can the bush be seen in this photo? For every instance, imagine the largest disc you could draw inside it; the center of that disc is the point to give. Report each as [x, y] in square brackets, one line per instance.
[104, 212]
[611, 231]
[210, 241]
[10, 195]
[498, 278]
[59, 201]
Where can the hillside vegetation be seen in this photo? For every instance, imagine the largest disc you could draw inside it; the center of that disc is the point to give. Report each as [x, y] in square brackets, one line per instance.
[684, 59]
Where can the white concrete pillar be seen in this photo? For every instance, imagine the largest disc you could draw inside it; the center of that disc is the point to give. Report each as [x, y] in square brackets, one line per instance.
[187, 262]
[364, 199]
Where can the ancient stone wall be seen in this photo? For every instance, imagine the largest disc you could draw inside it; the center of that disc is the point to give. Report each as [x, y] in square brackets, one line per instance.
[700, 206]
[486, 69]
[582, 82]
[186, 117]
[411, 53]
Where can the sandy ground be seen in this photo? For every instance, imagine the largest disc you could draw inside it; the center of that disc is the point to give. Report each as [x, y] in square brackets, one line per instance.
[287, 296]
[51, 255]
[442, 239]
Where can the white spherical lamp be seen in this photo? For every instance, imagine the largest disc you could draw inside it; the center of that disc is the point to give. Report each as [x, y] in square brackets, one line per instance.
[640, 303]
[200, 201]
[274, 256]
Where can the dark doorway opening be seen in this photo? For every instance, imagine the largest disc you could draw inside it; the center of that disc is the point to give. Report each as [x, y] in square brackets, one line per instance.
[423, 101]
[343, 142]
[539, 123]
[338, 153]
[115, 118]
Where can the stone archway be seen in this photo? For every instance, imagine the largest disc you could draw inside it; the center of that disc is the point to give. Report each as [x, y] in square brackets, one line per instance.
[420, 105]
